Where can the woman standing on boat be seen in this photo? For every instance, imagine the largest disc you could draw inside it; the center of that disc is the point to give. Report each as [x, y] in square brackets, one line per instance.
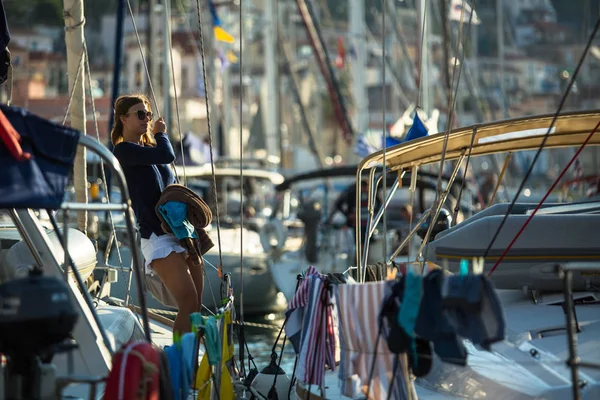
[144, 151]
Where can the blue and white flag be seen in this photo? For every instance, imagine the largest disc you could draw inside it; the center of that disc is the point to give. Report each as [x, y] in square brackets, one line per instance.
[417, 130]
[363, 147]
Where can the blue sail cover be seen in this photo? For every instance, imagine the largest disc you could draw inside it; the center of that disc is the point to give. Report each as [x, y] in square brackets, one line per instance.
[40, 181]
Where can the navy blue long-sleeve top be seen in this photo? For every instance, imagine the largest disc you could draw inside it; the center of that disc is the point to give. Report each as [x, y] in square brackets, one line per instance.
[147, 172]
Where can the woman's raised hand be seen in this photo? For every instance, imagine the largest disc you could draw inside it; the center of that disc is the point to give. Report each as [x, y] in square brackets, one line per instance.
[159, 126]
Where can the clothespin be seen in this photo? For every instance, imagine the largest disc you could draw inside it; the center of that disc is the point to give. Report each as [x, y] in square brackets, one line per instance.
[445, 265]
[464, 267]
[196, 321]
[415, 268]
[478, 265]
[176, 339]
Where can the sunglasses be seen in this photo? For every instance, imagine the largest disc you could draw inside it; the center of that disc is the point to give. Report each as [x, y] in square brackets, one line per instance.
[141, 114]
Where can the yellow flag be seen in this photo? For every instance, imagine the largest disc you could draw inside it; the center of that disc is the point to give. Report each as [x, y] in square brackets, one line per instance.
[232, 57]
[222, 36]
[203, 379]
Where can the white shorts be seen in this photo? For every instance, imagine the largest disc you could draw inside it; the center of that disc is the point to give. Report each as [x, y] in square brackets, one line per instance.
[158, 247]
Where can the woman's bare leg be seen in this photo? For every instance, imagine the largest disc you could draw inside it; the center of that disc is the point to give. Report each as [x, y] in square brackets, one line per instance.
[197, 272]
[174, 273]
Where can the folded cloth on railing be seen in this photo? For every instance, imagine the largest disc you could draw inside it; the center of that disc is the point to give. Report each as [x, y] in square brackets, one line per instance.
[198, 214]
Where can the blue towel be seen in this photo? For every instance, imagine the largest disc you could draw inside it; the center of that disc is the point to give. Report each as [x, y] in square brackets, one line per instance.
[211, 339]
[474, 309]
[175, 214]
[181, 358]
[433, 324]
[409, 311]
[175, 368]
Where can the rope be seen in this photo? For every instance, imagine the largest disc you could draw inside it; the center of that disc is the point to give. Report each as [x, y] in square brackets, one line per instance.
[64, 121]
[504, 167]
[452, 97]
[539, 151]
[293, 378]
[179, 124]
[143, 57]
[384, 106]
[212, 292]
[393, 379]
[451, 106]
[251, 324]
[464, 179]
[242, 336]
[210, 138]
[564, 171]
[375, 354]
[148, 75]
[88, 72]
[423, 19]
[168, 11]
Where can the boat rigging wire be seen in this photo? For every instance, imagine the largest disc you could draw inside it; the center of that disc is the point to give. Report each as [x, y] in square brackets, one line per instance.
[143, 58]
[438, 203]
[453, 94]
[172, 66]
[539, 151]
[556, 181]
[210, 138]
[462, 184]
[88, 74]
[64, 121]
[420, 70]
[502, 172]
[219, 269]
[242, 336]
[384, 133]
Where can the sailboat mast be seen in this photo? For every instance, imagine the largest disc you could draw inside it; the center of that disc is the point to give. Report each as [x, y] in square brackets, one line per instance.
[74, 39]
[272, 132]
[318, 45]
[152, 55]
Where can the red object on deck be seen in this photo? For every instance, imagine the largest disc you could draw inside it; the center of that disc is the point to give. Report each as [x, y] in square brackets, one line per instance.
[11, 139]
[135, 373]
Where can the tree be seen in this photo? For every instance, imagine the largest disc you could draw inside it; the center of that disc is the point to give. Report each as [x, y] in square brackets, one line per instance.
[23, 14]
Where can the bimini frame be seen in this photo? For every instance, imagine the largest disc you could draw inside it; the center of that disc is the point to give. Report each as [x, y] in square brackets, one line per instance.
[521, 134]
